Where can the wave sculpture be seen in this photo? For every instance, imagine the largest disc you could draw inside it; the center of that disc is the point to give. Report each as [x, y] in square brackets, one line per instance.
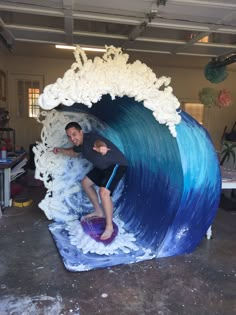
[170, 194]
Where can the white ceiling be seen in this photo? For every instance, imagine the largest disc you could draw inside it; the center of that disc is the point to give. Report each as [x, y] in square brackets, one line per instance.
[168, 27]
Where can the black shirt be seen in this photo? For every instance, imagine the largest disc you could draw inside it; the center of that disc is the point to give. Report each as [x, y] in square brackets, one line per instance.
[112, 157]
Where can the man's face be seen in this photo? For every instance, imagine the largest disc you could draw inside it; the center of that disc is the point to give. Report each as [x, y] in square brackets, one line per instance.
[75, 136]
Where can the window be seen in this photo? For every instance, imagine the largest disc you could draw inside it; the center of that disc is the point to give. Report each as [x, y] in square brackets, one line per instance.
[28, 93]
[33, 95]
[196, 110]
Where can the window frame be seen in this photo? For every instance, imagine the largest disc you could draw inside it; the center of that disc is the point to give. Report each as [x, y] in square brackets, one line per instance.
[26, 104]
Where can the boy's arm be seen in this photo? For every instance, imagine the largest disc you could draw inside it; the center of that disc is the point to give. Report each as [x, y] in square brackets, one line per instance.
[65, 151]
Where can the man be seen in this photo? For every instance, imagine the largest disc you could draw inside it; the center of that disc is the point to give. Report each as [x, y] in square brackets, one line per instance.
[109, 163]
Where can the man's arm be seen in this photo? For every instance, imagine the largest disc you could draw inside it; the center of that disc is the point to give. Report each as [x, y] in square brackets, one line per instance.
[65, 151]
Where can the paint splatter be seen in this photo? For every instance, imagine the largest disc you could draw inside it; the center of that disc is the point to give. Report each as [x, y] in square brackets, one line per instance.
[36, 305]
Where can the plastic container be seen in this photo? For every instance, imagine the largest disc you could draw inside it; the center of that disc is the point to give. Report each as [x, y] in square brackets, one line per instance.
[4, 153]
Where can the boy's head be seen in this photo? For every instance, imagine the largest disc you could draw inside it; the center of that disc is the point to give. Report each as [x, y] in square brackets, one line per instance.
[73, 124]
[74, 133]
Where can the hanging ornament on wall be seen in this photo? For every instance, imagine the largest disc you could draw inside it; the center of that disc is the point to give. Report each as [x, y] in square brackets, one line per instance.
[208, 96]
[215, 71]
[215, 74]
[224, 98]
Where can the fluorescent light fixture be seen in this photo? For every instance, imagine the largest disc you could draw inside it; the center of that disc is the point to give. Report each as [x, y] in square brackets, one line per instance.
[65, 47]
[84, 48]
[93, 49]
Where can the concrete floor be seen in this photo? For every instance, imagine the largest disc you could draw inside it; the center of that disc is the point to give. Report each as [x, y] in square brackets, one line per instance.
[34, 281]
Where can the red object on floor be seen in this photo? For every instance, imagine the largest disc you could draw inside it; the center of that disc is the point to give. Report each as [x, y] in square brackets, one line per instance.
[16, 189]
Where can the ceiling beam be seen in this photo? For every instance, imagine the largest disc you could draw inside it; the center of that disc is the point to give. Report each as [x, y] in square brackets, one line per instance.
[6, 37]
[68, 21]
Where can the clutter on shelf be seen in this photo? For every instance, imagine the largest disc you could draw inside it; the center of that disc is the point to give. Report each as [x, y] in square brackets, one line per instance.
[4, 117]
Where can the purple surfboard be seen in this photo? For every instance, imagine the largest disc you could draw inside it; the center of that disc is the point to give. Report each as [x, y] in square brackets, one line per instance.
[94, 227]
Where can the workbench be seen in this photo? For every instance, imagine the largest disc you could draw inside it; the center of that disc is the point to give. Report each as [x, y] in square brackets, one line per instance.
[6, 167]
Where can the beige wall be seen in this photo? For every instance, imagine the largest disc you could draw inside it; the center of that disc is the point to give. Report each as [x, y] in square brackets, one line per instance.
[48, 70]
[187, 83]
[3, 61]
[186, 73]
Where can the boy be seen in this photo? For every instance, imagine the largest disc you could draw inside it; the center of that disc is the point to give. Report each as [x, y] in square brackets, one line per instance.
[109, 163]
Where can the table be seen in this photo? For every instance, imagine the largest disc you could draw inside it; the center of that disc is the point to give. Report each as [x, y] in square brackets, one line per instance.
[5, 178]
[228, 177]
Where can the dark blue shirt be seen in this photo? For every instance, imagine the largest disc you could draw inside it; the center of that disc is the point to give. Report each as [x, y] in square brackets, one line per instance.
[112, 157]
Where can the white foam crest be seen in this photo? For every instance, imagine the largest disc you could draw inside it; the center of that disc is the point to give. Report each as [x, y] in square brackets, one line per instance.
[55, 209]
[148, 254]
[124, 241]
[88, 80]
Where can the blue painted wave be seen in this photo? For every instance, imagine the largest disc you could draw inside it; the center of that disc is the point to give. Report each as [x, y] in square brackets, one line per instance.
[172, 187]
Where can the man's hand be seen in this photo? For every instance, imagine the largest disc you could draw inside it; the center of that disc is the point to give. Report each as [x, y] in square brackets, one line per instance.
[102, 150]
[57, 150]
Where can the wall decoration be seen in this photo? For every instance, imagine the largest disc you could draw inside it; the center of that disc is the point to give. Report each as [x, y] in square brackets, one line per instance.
[216, 71]
[208, 96]
[211, 97]
[224, 98]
